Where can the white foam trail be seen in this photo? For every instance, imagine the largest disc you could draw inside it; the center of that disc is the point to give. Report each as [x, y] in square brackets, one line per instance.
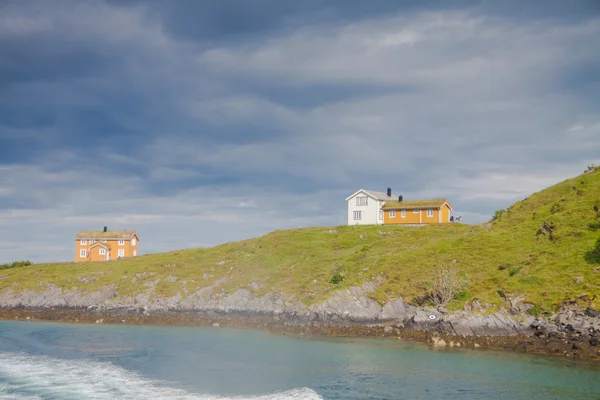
[33, 377]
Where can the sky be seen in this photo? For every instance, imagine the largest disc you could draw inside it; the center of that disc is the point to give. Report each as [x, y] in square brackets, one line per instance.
[200, 122]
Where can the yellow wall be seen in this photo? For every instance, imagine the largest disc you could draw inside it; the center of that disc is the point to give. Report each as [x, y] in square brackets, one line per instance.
[445, 213]
[418, 218]
[114, 249]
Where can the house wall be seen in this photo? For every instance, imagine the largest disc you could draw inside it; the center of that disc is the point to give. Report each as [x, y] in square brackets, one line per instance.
[127, 247]
[95, 254]
[369, 213]
[445, 213]
[412, 218]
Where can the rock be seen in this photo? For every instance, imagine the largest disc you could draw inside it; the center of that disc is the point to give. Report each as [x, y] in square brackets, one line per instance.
[362, 236]
[216, 325]
[388, 329]
[443, 310]
[99, 321]
[220, 262]
[579, 279]
[438, 342]
[171, 278]
[333, 231]
[590, 312]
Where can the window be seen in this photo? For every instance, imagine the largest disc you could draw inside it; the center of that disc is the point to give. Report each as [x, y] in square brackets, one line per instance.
[82, 253]
[92, 241]
[416, 211]
[361, 201]
[380, 214]
[102, 251]
[357, 214]
[403, 213]
[103, 241]
[134, 253]
[121, 242]
[430, 213]
[392, 213]
[83, 241]
[133, 242]
[121, 253]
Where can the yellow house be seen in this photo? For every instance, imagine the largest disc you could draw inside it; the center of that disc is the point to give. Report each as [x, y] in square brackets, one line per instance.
[416, 212]
[105, 245]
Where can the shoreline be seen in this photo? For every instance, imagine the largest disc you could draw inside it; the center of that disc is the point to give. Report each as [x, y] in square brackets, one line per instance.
[548, 345]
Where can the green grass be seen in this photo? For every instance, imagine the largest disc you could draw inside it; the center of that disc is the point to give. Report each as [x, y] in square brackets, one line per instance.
[302, 262]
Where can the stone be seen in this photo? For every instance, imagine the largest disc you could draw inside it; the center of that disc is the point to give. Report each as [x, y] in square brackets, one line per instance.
[438, 342]
[388, 329]
[216, 325]
[579, 279]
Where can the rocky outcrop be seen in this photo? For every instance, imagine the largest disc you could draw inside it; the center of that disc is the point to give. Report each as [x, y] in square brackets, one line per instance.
[572, 326]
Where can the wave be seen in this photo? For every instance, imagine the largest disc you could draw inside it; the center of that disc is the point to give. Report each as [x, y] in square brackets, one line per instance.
[40, 377]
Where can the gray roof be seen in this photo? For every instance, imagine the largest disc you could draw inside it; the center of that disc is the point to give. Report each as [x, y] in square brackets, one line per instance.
[379, 195]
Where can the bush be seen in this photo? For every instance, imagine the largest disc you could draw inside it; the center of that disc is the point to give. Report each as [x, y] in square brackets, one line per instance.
[447, 286]
[16, 264]
[498, 214]
[337, 278]
[514, 270]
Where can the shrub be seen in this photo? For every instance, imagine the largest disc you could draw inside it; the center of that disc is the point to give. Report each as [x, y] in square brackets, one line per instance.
[447, 286]
[514, 270]
[498, 214]
[337, 278]
[15, 264]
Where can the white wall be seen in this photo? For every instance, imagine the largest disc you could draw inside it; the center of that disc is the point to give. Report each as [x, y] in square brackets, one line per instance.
[369, 213]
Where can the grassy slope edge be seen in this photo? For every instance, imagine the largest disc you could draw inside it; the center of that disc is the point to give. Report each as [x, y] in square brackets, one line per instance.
[505, 255]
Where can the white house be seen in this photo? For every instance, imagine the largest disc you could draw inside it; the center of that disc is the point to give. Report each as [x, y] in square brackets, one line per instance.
[364, 207]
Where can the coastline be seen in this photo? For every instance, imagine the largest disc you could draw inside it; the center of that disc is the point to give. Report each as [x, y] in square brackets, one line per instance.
[549, 344]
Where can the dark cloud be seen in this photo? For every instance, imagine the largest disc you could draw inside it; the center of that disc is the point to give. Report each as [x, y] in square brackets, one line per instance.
[203, 121]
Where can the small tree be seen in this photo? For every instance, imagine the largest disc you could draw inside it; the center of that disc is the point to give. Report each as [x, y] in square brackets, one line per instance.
[498, 214]
[447, 286]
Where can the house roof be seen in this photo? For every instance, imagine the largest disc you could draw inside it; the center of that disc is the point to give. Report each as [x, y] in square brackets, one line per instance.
[105, 235]
[412, 204]
[372, 193]
[105, 245]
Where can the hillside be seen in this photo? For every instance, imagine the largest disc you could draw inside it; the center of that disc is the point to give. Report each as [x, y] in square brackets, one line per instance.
[507, 255]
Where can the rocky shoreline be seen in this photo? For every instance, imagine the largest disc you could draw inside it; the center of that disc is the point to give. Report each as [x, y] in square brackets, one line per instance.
[574, 331]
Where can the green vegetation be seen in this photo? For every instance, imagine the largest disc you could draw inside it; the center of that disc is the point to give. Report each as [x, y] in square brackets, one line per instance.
[512, 254]
[15, 264]
[498, 214]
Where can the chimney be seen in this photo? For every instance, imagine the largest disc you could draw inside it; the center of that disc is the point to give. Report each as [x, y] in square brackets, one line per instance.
[399, 198]
[389, 192]
[104, 229]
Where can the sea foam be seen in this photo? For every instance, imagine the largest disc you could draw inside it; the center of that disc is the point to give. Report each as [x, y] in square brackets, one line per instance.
[39, 377]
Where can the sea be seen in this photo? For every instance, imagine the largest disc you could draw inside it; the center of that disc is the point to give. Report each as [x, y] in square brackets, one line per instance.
[42, 360]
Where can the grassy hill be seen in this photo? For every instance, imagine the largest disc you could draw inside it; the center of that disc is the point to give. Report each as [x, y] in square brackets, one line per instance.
[507, 254]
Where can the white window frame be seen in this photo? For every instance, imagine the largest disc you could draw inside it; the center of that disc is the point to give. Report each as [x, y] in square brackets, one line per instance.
[83, 242]
[403, 214]
[82, 253]
[392, 213]
[121, 253]
[430, 213]
[416, 211]
[357, 215]
[92, 241]
[381, 215]
[103, 241]
[121, 243]
[103, 251]
[133, 241]
[135, 253]
[360, 202]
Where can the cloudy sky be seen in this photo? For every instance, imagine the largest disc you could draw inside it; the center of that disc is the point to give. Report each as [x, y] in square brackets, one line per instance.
[201, 122]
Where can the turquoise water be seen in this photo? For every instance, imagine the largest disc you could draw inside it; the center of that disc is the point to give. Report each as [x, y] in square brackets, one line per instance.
[61, 361]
